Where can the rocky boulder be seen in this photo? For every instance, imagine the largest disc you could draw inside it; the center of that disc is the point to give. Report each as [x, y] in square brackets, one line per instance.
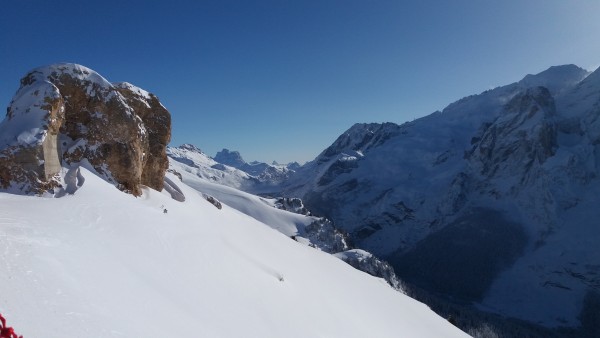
[67, 114]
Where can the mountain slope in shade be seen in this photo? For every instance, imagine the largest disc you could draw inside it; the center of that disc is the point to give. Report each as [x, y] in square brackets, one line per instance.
[494, 196]
[101, 263]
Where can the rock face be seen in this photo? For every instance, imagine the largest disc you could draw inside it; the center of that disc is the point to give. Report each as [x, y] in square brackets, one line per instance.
[66, 114]
[157, 121]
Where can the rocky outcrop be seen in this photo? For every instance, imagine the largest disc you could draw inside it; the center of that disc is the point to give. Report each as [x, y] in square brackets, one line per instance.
[325, 236]
[157, 121]
[66, 114]
[365, 261]
[294, 205]
[210, 199]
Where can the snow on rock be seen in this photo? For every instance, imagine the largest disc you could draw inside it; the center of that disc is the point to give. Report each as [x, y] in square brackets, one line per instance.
[27, 119]
[365, 261]
[118, 266]
[137, 91]
[294, 205]
[66, 113]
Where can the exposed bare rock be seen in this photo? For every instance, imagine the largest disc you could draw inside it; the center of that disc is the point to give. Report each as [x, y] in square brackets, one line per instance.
[67, 113]
[157, 121]
[174, 190]
[213, 201]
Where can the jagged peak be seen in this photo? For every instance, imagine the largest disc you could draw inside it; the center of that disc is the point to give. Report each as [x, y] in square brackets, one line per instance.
[226, 151]
[190, 147]
[230, 157]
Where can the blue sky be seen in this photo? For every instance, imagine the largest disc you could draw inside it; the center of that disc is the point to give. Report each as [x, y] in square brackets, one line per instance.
[280, 80]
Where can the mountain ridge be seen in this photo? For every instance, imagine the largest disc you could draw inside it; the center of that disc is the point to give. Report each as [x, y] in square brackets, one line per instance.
[523, 154]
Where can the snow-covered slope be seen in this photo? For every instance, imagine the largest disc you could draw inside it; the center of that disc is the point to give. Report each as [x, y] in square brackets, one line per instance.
[266, 173]
[101, 263]
[499, 185]
[196, 162]
[291, 219]
[229, 168]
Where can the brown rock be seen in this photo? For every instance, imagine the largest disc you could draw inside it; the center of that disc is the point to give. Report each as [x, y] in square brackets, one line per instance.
[72, 114]
[157, 120]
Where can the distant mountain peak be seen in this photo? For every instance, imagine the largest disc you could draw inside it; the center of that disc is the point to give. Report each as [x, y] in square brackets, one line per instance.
[230, 158]
[190, 147]
[556, 78]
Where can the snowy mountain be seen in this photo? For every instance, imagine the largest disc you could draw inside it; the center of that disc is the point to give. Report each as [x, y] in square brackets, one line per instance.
[490, 202]
[229, 168]
[291, 218]
[155, 257]
[230, 158]
[264, 172]
[198, 163]
[112, 265]
[488, 206]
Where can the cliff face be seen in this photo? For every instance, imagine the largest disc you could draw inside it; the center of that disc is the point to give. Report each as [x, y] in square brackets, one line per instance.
[157, 121]
[64, 114]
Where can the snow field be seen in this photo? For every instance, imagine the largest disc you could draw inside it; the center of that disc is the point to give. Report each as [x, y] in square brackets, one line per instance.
[101, 263]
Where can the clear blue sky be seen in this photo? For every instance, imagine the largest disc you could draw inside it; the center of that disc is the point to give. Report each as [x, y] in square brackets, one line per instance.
[280, 80]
